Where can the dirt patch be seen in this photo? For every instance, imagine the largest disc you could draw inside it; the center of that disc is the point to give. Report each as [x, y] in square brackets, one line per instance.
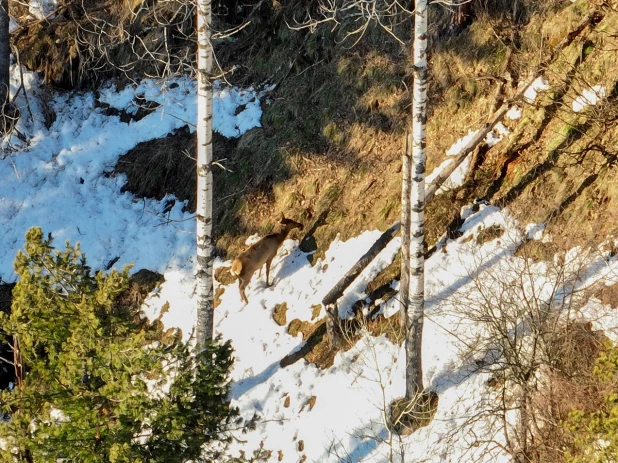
[386, 276]
[223, 276]
[218, 293]
[406, 417]
[315, 311]
[319, 350]
[608, 295]
[141, 284]
[161, 167]
[309, 404]
[298, 326]
[489, 234]
[390, 327]
[536, 250]
[279, 316]
[316, 349]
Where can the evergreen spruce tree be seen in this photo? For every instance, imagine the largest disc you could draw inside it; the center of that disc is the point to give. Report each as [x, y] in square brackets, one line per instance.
[100, 382]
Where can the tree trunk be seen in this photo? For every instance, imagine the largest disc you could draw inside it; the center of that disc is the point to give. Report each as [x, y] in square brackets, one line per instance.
[406, 187]
[205, 307]
[5, 53]
[330, 300]
[414, 313]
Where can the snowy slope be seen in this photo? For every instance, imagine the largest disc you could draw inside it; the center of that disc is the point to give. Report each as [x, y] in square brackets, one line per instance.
[55, 179]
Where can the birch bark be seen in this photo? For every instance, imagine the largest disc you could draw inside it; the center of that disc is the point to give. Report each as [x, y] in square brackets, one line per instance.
[5, 52]
[205, 307]
[414, 313]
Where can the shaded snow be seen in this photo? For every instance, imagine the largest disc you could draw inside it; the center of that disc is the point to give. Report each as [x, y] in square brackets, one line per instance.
[42, 8]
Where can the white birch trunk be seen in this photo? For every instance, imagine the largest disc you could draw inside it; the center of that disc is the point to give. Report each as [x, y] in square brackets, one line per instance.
[205, 307]
[5, 52]
[406, 181]
[414, 314]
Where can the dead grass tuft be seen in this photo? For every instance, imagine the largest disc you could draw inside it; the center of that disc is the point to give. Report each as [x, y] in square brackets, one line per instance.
[223, 276]
[570, 384]
[608, 295]
[279, 315]
[389, 327]
[536, 250]
[406, 417]
[489, 234]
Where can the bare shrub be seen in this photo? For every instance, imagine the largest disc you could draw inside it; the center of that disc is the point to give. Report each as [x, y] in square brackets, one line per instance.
[518, 323]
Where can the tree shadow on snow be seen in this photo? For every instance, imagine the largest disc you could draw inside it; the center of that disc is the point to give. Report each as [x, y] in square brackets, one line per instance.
[239, 388]
[289, 265]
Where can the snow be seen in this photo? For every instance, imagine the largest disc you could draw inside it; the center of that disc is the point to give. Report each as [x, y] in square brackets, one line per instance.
[42, 8]
[458, 177]
[496, 135]
[588, 97]
[539, 84]
[460, 144]
[513, 113]
[12, 25]
[534, 231]
[55, 179]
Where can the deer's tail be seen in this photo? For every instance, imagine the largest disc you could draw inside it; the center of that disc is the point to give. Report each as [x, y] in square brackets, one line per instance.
[236, 267]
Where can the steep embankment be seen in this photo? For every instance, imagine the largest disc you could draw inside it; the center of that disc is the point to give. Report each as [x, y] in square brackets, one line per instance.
[328, 152]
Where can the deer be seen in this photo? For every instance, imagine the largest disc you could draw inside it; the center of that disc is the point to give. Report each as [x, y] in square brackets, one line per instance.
[260, 253]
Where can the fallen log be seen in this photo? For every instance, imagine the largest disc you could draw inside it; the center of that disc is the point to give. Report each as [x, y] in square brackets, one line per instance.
[330, 300]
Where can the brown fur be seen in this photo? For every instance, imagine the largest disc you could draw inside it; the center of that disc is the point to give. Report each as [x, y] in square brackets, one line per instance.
[260, 253]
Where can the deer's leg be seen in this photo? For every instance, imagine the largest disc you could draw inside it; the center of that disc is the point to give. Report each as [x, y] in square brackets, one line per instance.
[268, 262]
[242, 284]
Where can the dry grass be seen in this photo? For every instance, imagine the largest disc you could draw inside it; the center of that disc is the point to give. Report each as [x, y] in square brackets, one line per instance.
[279, 314]
[329, 150]
[570, 384]
[406, 417]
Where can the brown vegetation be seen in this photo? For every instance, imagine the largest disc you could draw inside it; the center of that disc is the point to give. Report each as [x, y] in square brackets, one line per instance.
[570, 384]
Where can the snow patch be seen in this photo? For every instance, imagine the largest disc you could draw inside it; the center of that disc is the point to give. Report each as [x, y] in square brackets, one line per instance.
[513, 113]
[588, 97]
[460, 144]
[40, 9]
[55, 178]
[534, 231]
[539, 84]
[497, 134]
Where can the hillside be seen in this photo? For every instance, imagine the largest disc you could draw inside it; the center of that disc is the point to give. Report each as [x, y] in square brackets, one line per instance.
[311, 123]
[329, 148]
